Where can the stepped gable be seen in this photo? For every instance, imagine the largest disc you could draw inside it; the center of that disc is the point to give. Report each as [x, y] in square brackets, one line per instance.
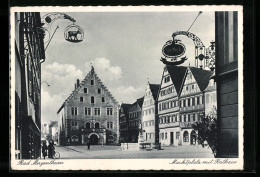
[91, 73]
[177, 75]
[202, 77]
[154, 89]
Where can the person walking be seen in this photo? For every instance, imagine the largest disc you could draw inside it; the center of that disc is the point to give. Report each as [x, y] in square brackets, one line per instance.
[88, 143]
[50, 149]
[44, 149]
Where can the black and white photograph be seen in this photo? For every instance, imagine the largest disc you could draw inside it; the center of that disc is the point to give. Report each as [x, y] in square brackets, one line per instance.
[126, 88]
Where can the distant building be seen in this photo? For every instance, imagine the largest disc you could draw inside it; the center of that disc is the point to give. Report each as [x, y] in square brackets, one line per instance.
[150, 126]
[44, 131]
[135, 117]
[227, 82]
[124, 122]
[168, 103]
[210, 97]
[29, 54]
[90, 112]
[53, 130]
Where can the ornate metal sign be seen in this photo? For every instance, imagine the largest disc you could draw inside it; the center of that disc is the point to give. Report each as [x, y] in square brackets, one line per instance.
[74, 33]
[173, 49]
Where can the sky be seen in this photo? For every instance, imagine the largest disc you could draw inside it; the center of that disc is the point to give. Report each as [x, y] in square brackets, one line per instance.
[124, 47]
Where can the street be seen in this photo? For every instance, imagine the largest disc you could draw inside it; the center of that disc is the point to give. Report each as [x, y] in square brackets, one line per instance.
[114, 152]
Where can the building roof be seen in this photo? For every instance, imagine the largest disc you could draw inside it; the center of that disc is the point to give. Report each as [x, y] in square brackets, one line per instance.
[202, 77]
[140, 101]
[125, 107]
[92, 72]
[154, 89]
[177, 74]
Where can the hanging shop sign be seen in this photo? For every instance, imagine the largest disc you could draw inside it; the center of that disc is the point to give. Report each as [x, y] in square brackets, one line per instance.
[173, 49]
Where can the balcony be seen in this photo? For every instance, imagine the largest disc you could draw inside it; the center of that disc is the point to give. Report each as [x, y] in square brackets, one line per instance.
[93, 130]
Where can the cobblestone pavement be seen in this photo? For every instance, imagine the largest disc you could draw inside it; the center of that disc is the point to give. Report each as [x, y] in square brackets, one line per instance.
[115, 152]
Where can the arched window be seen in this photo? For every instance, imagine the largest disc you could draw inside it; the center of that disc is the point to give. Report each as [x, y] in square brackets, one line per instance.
[96, 125]
[185, 136]
[92, 100]
[87, 125]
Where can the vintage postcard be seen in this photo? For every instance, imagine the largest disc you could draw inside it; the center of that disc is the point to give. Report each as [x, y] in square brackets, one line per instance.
[126, 88]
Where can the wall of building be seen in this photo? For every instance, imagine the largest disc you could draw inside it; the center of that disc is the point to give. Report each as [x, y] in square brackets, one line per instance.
[227, 83]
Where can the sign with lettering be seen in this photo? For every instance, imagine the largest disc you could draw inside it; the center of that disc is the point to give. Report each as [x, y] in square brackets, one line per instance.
[173, 49]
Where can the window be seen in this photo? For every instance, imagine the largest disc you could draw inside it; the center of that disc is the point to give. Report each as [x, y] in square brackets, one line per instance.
[81, 99]
[97, 111]
[160, 107]
[85, 90]
[87, 125]
[108, 125]
[166, 135]
[193, 116]
[162, 136]
[111, 125]
[74, 124]
[92, 82]
[184, 103]
[193, 101]
[97, 125]
[92, 100]
[198, 100]
[99, 90]
[177, 135]
[167, 79]
[103, 99]
[188, 117]
[192, 87]
[187, 88]
[184, 116]
[109, 111]
[74, 111]
[189, 102]
[185, 136]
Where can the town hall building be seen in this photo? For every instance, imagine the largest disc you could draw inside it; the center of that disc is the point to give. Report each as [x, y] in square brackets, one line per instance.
[90, 112]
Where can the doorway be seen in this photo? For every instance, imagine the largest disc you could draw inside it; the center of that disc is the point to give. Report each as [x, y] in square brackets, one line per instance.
[93, 139]
[193, 137]
[171, 138]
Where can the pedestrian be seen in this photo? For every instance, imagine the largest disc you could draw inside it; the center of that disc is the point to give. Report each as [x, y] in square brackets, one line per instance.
[88, 143]
[50, 149]
[44, 149]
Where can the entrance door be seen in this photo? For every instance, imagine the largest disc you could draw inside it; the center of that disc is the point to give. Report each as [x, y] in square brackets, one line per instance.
[171, 138]
[193, 137]
[93, 139]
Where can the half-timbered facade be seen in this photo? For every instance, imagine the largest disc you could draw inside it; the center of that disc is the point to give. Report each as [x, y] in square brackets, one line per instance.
[168, 105]
[192, 103]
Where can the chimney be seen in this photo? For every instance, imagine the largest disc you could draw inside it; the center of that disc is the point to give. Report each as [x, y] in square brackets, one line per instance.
[77, 83]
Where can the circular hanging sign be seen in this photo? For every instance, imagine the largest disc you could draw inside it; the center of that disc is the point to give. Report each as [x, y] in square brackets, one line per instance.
[74, 33]
[172, 49]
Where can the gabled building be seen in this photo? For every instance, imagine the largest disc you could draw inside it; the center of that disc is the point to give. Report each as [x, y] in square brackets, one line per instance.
[123, 122]
[135, 119]
[90, 112]
[150, 126]
[192, 103]
[168, 105]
